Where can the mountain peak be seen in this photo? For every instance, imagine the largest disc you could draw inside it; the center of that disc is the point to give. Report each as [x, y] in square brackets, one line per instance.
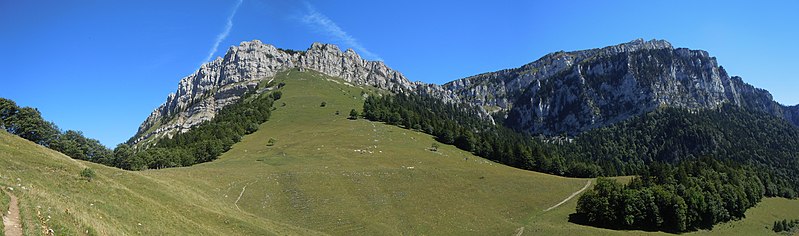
[632, 46]
[653, 43]
[221, 82]
[570, 92]
[317, 46]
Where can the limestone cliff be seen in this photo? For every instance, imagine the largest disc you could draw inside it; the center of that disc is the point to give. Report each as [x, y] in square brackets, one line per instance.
[223, 81]
[563, 92]
[570, 92]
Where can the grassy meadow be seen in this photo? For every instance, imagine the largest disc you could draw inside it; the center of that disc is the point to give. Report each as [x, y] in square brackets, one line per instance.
[325, 174]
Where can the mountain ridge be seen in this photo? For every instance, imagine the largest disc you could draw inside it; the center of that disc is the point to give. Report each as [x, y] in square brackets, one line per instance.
[560, 93]
[222, 81]
[571, 92]
[528, 72]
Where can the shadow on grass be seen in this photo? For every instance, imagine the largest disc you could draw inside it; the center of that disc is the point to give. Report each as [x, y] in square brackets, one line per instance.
[581, 219]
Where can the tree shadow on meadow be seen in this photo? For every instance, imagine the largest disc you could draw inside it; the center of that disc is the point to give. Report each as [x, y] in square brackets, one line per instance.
[581, 219]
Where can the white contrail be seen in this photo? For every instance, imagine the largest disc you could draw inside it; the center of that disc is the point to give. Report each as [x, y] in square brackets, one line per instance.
[221, 36]
[321, 23]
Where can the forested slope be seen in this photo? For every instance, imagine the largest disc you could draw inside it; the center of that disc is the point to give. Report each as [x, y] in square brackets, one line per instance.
[755, 152]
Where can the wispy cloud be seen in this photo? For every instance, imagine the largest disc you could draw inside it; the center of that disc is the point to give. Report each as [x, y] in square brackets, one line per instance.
[222, 35]
[323, 24]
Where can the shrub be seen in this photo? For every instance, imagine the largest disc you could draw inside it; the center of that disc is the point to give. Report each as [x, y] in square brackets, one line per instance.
[276, 95]
[251, 128]
[88, 174]
[785, 225]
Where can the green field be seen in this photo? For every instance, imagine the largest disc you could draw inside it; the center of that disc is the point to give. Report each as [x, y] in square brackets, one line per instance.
[4, 201]
[324, 175]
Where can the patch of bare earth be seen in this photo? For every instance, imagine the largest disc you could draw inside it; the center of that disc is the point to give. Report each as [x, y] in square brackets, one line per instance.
[11, 221]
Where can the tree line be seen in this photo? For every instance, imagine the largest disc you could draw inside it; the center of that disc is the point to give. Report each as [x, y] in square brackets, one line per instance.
[461, 125]
[203, 143]
[694, 194]
[785, 225]
[726, 159]
[768, 144]
[27, 123]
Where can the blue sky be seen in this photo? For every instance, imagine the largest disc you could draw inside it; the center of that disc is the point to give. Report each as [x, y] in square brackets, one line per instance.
[102, 66]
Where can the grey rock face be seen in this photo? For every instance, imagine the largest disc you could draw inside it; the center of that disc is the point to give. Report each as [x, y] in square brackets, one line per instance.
[223, 81]
[571, 92]
[563, 92]
[792, 114]
[501, 89]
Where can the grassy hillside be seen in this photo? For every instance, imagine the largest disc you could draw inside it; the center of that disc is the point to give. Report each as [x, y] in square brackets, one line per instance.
[341, 176]
[115, 202]
[4, 201]
[325, 174]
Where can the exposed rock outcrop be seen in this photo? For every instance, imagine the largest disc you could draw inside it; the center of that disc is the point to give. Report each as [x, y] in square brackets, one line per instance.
[570, 92]
[500, 89]
[563, 92]
[223, 81]
[792, 114]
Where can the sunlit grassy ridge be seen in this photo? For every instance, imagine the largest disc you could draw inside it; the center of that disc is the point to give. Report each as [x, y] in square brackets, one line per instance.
[325, 174]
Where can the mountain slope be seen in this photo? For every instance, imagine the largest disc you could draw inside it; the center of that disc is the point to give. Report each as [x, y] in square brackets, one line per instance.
[325, 174]
[561, 93]
[571, 92]
[115, 202]
[221, 82]
[345, 176]
[311, 182]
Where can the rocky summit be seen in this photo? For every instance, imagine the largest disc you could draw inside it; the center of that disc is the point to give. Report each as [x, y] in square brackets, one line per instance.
[560, 93]
[223, 81]
[571, 92]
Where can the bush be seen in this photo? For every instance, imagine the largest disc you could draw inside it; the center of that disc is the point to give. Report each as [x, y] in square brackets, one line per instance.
[353, 114]
[251, 128]
[88, 174]
[785, 225]
[434, 147]
[271, 142]
[323, 104]
[276, 95]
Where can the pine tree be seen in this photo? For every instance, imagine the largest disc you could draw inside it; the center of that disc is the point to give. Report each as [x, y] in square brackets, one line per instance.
[353, 114]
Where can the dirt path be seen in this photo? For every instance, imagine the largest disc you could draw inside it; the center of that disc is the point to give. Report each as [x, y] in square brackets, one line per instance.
[519, 231]
[242, 194]
[570, 197]
[11, 221]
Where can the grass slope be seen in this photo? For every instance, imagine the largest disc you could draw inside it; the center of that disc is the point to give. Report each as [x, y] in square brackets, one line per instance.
[324, 175]
[341, 176]
[116, 202]
[4, 201]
